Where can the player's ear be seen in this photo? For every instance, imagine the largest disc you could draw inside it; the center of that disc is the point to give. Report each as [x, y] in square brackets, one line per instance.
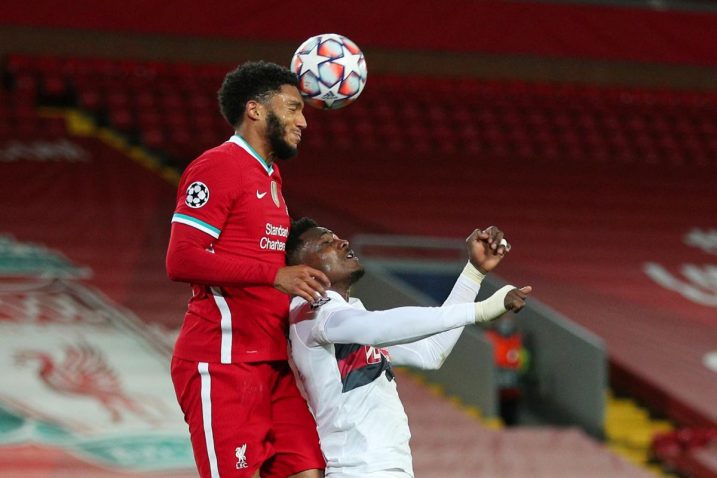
[254, 110]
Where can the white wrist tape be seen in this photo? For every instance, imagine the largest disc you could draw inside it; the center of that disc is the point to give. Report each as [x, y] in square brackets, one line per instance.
[494, 306]
[472, 273]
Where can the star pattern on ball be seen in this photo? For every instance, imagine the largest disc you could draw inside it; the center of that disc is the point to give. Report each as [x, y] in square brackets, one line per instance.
[350, 63]
[330, 94]
[310, 61]
[331, 70]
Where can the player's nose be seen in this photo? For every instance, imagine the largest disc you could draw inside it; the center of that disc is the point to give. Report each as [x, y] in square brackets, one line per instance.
[301, 121]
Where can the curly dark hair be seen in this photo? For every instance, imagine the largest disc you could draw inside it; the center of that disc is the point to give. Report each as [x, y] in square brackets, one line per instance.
[294, 242]
[253, 80]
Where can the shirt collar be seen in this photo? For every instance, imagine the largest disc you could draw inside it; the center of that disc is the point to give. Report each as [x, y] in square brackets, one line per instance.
[353, 301]
[241, 142]
[335, 295]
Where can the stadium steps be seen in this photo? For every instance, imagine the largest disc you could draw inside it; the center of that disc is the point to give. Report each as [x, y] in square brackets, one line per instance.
[629, 431]
[448, 440]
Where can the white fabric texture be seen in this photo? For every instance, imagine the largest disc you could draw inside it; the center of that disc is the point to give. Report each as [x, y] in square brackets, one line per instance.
[350, 325]
[364, 429]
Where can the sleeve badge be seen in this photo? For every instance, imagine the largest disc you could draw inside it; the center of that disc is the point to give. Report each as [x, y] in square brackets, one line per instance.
[197, 195]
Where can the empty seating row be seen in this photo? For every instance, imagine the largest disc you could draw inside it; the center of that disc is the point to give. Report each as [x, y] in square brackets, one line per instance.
[168, 106]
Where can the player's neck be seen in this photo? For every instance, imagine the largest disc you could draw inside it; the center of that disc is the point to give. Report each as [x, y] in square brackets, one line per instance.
[343, 287]
[342, 290]
[257, 142]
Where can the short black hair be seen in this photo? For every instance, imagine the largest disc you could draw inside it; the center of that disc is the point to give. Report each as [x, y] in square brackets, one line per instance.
[253, 80]
[294, 242]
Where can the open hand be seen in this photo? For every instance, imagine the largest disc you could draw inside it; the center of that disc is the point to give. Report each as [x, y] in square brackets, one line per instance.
[301, 280]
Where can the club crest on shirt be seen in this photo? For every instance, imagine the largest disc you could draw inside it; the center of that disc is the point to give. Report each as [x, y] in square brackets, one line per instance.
[318, 303]
[240, 453]
[275, 193]
[374, 354]
[197, 195]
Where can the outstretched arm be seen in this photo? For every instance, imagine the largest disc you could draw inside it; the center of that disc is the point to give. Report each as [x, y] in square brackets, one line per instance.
[485, 250]
[347, 325]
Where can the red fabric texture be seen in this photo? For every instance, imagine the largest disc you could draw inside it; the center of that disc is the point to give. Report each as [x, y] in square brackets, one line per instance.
[243, 207]
[257, 405]
[188, 260]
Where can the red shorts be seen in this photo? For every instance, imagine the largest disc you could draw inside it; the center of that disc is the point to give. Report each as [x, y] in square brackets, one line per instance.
[245, 417]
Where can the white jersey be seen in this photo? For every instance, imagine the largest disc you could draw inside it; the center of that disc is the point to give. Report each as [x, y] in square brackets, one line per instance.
[344, 356]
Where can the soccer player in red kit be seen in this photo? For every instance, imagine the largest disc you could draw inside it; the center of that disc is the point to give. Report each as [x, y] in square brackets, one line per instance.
[245, 414]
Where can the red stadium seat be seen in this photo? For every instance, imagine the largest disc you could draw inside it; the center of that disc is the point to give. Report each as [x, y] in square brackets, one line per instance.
[122, 120]
[489, 117]
[153, 138]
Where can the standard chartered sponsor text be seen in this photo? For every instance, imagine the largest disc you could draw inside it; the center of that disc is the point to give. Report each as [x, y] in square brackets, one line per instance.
[267, 243]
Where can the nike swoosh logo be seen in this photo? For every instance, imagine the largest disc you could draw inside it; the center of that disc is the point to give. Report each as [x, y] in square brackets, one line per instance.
[260, 195]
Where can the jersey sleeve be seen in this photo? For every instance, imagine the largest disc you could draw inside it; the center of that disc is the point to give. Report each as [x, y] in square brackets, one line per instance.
[431, 352]
[347, 325]
[208, 188]
[206, 192]
[190, 259]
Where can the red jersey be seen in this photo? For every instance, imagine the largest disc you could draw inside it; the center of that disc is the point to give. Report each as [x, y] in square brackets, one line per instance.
[235, 314]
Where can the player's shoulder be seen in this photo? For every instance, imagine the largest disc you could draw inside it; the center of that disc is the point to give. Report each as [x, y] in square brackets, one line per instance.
[300, 310]
[218, 162]
[225, 154]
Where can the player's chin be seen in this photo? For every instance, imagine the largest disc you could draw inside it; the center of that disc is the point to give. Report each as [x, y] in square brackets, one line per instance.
[357, 274]
[293, 139]
[292, 147]
[286, 151]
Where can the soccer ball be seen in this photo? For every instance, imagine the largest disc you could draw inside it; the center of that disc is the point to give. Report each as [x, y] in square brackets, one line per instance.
[331, 70]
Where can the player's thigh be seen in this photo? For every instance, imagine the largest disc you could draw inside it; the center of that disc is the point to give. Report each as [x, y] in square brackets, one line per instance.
[228, 410]
[296, 442]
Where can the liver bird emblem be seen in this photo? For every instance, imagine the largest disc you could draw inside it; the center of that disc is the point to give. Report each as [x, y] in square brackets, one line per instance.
[240, 453]
[84, 372]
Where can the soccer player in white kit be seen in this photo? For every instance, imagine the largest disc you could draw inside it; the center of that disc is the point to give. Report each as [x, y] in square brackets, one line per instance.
[344, 353]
